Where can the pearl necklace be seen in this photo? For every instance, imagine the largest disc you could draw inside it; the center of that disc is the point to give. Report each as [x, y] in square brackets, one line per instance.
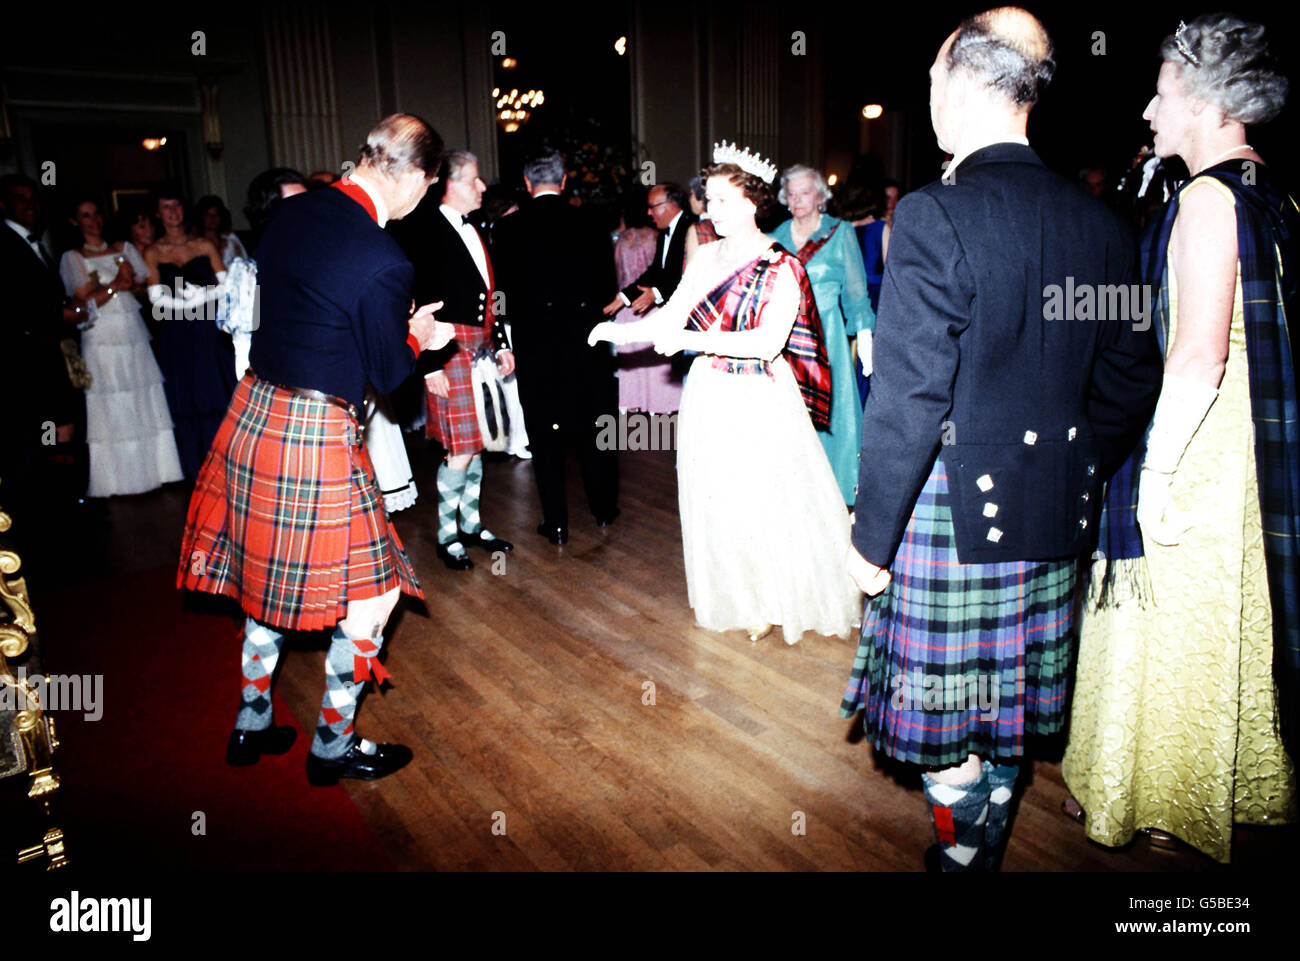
[1244, 146]
[102, 246]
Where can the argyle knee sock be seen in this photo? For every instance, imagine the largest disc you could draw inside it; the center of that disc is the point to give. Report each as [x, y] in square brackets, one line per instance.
[451, 486]
[1002, 787]
[261, 653]
[959, 812]
[470, 522]
[338, 709]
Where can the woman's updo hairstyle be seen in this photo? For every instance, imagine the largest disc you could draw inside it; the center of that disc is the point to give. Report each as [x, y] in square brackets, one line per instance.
[757, 192]
[1226, 61]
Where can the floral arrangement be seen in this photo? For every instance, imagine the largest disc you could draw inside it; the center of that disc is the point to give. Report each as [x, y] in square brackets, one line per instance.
[599, 171]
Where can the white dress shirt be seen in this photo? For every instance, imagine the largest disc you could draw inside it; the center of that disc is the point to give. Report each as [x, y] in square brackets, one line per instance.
[473, 243]
[668, 239]
[663, 260]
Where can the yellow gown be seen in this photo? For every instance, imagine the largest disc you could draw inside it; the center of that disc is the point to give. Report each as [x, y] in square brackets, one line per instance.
[1171, 724]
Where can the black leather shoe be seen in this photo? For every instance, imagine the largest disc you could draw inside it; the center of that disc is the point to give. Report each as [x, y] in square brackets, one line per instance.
[556, 535]
[323, 771]
[488, 543]
[604, 520]
[457, 562]
[246, 747]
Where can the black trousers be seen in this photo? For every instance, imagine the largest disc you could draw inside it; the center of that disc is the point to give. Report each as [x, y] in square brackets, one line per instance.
[561, 418]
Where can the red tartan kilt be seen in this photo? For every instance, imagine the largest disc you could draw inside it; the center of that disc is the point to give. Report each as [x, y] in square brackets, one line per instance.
[286, 516]
[453, 421]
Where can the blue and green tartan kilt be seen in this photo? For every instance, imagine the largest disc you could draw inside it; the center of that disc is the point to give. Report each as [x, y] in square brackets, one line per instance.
[958, 659]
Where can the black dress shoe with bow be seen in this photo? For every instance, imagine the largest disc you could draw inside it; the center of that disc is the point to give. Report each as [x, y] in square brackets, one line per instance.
[458, 561]
[554, 534]
[485, 540]
[324, 771]
[246, 747]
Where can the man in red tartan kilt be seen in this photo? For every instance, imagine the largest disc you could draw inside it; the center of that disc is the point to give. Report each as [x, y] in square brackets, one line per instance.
[452, 266]
[286, 516]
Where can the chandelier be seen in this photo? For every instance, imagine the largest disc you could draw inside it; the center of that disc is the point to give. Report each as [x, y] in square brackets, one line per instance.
[514, 108]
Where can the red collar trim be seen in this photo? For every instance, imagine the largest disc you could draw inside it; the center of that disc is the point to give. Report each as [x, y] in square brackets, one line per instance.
[355, 191]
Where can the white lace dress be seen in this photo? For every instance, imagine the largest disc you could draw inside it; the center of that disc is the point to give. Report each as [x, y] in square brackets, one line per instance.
[128, 426]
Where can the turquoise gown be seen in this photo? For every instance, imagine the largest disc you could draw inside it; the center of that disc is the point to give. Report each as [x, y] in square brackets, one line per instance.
[839, 285]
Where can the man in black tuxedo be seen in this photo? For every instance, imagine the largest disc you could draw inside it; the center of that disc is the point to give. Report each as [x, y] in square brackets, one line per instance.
[556, 269]
[41, 407]
[665, 204]
[987, 434]
[452, 265]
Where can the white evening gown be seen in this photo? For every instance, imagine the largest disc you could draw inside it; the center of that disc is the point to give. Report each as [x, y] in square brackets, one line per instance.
[128, 426]
[764, 528]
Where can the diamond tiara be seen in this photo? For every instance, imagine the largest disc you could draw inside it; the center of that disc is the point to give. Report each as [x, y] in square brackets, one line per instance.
[752, 163]
[1184, 47]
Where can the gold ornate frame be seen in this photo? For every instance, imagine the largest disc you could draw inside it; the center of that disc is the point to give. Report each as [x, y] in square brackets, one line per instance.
[34, 727]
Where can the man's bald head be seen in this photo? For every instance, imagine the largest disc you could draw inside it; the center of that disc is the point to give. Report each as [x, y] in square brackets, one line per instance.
[1006, 50]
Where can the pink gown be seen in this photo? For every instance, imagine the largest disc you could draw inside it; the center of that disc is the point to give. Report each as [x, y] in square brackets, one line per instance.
[645, 379]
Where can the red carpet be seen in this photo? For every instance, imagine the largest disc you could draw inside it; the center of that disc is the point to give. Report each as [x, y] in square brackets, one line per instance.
[134, 780]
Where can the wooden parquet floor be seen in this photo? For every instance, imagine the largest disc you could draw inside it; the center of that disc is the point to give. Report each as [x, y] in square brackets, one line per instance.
[567, 714]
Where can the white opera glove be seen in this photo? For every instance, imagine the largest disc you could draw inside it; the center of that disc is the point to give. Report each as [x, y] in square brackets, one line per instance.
[166, 302]
[1159, 520]
[1182, 407]
[607, 331]
[669, 342]
[864, 352]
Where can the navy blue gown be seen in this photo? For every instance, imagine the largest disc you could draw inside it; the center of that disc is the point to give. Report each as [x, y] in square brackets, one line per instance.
[198, 365]
[871, 239]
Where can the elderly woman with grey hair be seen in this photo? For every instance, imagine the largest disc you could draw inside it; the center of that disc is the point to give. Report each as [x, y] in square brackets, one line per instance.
[1190, 651]
[828, 249]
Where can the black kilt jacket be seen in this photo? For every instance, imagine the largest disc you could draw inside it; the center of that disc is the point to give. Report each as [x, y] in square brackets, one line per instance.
[335, 300]
[445, 271]
[556, 268]
[1029, 414]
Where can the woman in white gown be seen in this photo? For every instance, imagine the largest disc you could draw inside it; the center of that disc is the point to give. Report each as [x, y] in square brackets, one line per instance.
[128, 427]
[764, 529]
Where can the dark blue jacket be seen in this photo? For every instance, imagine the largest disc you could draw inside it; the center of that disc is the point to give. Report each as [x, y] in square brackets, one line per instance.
[335, 299]
[1029, 414]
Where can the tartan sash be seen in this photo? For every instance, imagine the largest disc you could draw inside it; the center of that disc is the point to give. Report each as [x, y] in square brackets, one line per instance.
[809, 250]
[737, 304]
[1268, 229]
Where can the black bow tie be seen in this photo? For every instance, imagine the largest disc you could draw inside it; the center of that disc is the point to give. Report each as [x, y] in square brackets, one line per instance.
[465, 219]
